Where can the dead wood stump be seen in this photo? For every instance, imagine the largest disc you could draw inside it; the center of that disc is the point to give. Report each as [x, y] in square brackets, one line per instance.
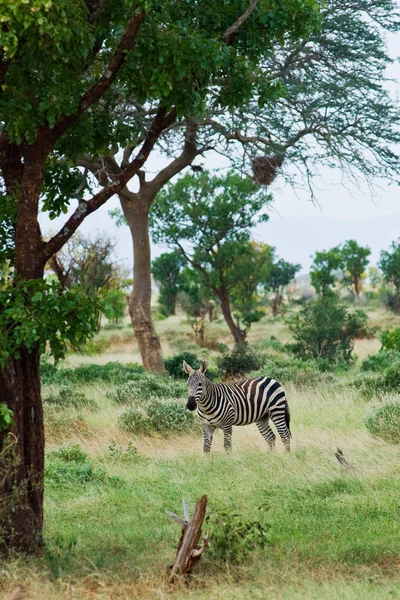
[189, 551]
[343, 462]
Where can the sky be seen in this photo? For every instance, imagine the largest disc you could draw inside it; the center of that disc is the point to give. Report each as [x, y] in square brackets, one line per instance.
[297, 227]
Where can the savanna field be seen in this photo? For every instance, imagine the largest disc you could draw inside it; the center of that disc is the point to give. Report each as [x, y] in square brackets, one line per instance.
[121, 451]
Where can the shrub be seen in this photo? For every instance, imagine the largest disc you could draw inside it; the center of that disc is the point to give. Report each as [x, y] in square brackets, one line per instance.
[324, 329]
[119, 453]
[66, 396]
[162, 417]
[240, 361]
[148, 386]
[233, 537]
[385, 422]
[372, 385]
[94, 347]
[70, 465]
[112, 372]
[61, 424]
[173, 365]
[390, 340]
[381, 361]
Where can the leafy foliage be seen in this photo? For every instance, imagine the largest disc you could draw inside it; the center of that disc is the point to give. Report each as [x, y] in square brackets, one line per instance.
[240, 361]
[173, 365]
[5, 416]
[157, 416]
[166, 270]
[233, 537]
[35, 312]
[67, 396]
[147, 386]
[354, 263]
[111, 372]
[69, 465]
[324, 329]
[390, 265]
[385, 422]
[390, 339]
[323, 270]
[381, 361]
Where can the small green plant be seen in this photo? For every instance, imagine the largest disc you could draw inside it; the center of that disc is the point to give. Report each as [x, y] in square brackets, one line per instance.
[173, 365]
[119, 453]
[160, 417]
[240, 361]
[233, 538]
[71, 465]
[385, 422]
[67, 396]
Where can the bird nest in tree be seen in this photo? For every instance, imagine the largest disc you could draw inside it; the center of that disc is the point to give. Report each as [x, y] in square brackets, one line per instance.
[265, 168]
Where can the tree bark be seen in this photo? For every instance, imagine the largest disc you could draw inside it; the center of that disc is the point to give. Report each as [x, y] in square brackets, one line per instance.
[136, 211]
[21, 492]
[239, 335]
[275, 306]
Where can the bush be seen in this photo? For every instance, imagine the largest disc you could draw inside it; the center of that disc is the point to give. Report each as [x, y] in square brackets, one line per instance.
[173, 365]
[390, 340]
[93, 347]
[385, 422]
[147, 386]
[381, 361]
[232, 537]
[70, 465]
[389, 381]
[240, 361]
[112, 372]
[66, 396]
[324, 329]
[389, 300]
[162, 417]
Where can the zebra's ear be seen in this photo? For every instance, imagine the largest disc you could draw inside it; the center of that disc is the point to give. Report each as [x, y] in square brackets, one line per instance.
[187, 368]
[203, 367]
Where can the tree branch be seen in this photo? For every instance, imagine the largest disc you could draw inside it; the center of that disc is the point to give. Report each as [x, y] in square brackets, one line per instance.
[97, 91]
[160, 122]
[229, 34]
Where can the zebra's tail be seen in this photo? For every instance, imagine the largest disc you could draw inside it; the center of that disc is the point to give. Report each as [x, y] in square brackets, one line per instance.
[287, 417]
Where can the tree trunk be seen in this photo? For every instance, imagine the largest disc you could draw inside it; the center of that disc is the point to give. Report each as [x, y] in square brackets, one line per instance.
[21, 491]
[136, 211]
[275, 306]
[239, 335]
[357, 287]
[21, 488]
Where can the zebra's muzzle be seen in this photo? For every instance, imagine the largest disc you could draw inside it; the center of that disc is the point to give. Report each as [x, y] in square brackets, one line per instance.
[191, 403]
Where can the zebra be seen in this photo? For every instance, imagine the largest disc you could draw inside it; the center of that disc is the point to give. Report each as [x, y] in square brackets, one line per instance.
[221, 405]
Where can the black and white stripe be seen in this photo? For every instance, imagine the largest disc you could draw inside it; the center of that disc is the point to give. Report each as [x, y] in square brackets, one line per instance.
[222, 405]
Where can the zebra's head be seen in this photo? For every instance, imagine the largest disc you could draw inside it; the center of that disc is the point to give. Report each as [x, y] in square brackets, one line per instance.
[196, 384]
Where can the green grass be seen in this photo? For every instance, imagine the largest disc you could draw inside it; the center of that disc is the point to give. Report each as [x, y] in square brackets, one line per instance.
[331, 534]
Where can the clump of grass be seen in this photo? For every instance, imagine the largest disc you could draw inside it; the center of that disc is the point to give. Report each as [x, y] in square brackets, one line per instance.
[157, 417]
[66, 396]
[112, 372]
[146, 386]
[62, 424]
[71, 465]
[385, 422]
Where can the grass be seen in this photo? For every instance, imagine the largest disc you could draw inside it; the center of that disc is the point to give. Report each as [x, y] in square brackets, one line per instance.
[331, 534]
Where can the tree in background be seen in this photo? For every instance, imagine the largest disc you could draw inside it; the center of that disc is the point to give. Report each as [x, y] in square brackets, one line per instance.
[248, 272]
[208, 220]
[196, 300]
[166, 270]
[390, 266]
[324, 271]
[280, 275]
[354, 261]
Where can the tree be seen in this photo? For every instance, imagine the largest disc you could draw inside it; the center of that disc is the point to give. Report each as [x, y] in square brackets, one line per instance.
[69, 71]
[390, 266]
[280, 275]
[354, 263]
[196, 300]
[167, 274]
[323, 101]
[208, 219]
[324, 270]
[250, 269]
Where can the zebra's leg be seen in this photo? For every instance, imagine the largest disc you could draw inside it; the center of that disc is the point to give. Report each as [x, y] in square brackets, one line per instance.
[208, 432]
[279, 420]
[267, 432]
[228, 438]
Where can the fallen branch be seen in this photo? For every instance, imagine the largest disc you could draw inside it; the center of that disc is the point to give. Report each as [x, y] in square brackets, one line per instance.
[189, 551]
[343, 462]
